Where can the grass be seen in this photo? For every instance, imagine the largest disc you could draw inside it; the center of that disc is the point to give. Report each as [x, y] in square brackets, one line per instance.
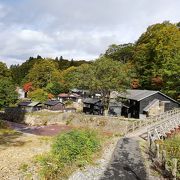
[23, 167]
[43, 113]
[172, 147]
[69, 151]
[8, 135]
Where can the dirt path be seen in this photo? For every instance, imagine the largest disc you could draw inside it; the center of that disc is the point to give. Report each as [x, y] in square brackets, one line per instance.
[127, 162]
[49, 130]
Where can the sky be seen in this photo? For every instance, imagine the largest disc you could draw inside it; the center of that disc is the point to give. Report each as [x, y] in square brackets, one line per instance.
[78, 29]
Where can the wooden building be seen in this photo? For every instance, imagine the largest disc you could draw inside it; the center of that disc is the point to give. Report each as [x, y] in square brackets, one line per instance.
[63, 97]
[69, 96]
[144, 103]
[30, 106]
[93, 106]
[54, 105]
[114, 108]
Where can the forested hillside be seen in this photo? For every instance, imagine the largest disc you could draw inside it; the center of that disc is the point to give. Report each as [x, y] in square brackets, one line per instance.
[20, 71]
[155, 57]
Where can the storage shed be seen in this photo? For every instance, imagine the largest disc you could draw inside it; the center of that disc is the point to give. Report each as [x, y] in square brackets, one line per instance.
[30, 106]
[54, 105]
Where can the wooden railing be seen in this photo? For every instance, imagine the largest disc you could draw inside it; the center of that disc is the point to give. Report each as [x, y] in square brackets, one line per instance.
[135, 125]
[169, 123]
[162, 155]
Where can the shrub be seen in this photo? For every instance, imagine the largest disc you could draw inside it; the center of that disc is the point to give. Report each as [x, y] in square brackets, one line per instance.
[69, 150]
[172, 147]
[68, 102]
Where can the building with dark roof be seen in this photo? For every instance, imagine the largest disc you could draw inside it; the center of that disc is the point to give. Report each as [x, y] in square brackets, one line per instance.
[93, 106]
[30, 106]
[114, 108]
[54, 105]
[143, 103]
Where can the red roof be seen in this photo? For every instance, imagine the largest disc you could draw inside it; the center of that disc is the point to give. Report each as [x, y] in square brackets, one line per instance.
[63, 95]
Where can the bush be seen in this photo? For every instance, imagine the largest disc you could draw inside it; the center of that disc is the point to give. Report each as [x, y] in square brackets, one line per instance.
[69, 150]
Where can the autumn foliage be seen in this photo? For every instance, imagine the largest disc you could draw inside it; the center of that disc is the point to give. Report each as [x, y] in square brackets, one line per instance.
[27, 87]
[135, 84]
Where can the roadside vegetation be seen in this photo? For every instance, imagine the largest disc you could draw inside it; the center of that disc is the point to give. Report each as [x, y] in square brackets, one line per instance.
[70, 151]
[172, 147]
[7, 135]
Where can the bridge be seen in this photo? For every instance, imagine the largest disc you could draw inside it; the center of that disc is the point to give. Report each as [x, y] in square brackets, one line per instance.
[168, 123]
[156, 127]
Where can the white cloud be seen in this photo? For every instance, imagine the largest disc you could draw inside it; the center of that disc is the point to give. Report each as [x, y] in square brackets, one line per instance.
[75, 29]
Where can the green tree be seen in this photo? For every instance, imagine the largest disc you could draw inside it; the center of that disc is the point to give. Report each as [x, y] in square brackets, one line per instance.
[55, 88]
[42, 73]
[103, 76]
[8, 94]
[20, 71]
[171, 78]
[123, 52]
[4, 71]
[38, 95]
[156, 56]
[68, 78]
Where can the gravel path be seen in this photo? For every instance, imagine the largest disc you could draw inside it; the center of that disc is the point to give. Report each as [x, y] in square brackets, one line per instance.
[127, 162]
[19, 151]
[95, 172]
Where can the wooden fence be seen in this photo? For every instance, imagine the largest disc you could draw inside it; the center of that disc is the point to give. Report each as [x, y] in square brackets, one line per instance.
[166, 156]
[168, 124]
[135, 125]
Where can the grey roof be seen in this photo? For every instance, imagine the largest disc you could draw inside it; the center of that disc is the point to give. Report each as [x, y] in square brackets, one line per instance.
[34, 104]
[137, 94]
[150, 104]
[52, 103]
[115, 103]
[24, 103]
[91, 100]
